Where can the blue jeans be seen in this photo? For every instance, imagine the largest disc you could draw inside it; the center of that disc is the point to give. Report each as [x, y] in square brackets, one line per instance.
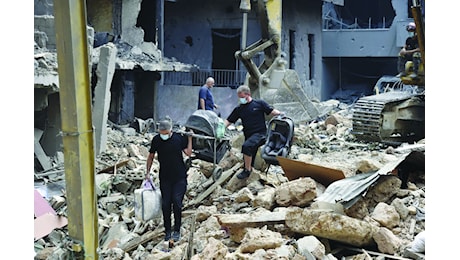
[172, 193]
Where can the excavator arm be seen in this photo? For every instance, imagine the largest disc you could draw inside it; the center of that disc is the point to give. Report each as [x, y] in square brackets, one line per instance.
[272, 81]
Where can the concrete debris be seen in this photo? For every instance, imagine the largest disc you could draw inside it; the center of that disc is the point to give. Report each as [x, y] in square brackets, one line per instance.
[266, 216]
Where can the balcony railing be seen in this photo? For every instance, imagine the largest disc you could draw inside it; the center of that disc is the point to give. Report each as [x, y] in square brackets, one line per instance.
[222, 78]
[331, 23]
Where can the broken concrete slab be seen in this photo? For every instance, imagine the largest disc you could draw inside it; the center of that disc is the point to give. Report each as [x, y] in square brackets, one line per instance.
[105, 71]
[295, 169]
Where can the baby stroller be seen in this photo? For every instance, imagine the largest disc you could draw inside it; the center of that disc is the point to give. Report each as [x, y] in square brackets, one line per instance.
[210, 143]
[280, 133]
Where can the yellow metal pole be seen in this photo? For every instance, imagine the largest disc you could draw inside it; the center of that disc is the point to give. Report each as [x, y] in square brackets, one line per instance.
[420, 28]
[77, 130]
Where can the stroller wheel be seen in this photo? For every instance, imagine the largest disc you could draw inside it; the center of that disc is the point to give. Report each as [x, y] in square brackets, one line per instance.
[216, 173]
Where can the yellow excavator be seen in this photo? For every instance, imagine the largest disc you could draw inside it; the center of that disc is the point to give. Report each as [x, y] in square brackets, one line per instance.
[396, 113]
[272, 81]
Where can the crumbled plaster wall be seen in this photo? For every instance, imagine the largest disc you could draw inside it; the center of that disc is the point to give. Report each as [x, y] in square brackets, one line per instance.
[43, 7]
[44, 24]
[129, 32]
[306, 21]
[188, 28]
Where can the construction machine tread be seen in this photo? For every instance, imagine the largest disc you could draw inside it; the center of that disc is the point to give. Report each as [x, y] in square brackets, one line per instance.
[384, 117]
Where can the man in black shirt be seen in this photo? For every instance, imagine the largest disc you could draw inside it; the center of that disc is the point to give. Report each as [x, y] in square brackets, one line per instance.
[410, 52]
[252, 114]
[172, 173]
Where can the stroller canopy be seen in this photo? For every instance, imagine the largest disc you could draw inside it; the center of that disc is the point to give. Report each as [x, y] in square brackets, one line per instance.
[205, 121]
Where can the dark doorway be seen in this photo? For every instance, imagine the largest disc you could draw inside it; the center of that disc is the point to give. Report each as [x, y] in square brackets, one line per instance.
[225, 42]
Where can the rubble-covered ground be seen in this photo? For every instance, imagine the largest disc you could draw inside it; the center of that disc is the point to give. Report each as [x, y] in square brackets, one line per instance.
[266, 216]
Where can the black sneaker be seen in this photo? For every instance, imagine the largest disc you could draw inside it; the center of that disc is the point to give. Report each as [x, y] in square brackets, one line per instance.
[243, 174]
[176, 236]
[167, 235]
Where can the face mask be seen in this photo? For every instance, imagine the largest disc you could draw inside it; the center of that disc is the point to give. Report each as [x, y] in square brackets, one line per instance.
[164, 137]
[243, 101]
[411, 34]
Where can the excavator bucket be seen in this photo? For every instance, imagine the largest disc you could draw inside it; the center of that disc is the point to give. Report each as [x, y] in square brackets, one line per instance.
[286, 94]
[272, 81]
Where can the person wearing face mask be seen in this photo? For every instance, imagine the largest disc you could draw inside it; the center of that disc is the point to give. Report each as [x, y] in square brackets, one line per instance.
[252, 114]
[170, 147]
[410, 52]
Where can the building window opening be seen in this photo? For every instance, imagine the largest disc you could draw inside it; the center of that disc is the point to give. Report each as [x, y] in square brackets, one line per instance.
[311, 56]
[147, 20]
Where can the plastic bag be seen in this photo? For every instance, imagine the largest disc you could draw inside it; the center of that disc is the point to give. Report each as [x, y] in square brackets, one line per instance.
[220, 130]
[418, 245]
[147, 201]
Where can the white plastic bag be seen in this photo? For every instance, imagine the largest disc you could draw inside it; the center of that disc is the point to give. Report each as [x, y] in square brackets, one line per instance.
[147, 201]
[418, 244]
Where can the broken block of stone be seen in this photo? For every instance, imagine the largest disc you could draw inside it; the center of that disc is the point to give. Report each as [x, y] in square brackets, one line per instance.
[299, 192]
[113, 198]
[260, 238]
[203, 212]
[386, 215]
[311, 245]
[244, 195]
[400, 207]
[115, 235]
[265, 198]
[330, 225]
[386, 241]
[214, 249]
[208, 228]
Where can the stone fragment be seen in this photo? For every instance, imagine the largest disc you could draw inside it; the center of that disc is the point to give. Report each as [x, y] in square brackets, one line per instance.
[386, 215]
[299, 192]
[330, 225]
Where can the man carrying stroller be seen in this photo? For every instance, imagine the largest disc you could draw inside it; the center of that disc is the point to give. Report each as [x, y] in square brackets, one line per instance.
[252, 114]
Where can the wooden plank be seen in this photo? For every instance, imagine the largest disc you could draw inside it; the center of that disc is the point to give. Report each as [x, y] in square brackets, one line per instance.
[225, 175]
[112, 168]
[147, 236]
[295, 169]
[376, 253]
[258, 219]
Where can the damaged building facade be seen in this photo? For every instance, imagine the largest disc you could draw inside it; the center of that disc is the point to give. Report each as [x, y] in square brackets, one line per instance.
[150, 57]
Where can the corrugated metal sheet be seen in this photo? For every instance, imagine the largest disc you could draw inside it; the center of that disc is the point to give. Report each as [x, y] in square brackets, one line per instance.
[347, 191]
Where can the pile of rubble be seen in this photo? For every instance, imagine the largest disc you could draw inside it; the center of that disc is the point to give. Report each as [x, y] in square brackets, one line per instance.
[270, 215]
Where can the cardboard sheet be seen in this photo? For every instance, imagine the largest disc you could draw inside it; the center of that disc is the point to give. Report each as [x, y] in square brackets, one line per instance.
[295, 169]
[41, 206]
[46, 223]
